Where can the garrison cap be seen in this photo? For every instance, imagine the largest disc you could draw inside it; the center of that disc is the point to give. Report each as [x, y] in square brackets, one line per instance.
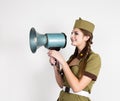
[83, 24]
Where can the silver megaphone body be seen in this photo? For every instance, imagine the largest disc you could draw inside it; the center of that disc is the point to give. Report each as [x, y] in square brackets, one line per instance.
[53, 41]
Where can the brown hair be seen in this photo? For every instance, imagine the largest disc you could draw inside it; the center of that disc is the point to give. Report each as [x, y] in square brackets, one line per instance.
[86, 51]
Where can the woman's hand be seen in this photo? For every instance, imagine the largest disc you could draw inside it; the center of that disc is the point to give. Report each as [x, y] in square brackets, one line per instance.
[52, 61]
[55, 55]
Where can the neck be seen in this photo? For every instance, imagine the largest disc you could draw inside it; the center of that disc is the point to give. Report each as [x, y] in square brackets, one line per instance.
[81, 47]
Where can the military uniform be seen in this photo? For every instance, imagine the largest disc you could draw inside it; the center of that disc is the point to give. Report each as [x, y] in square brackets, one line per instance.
[92, 70]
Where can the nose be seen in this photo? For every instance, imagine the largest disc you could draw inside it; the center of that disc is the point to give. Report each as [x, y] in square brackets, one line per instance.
[72, 37]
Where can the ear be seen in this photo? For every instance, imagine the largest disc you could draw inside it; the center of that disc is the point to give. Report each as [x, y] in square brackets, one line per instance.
[86, 38]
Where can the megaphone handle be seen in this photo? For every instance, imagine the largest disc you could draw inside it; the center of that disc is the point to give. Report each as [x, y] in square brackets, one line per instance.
[56, 64]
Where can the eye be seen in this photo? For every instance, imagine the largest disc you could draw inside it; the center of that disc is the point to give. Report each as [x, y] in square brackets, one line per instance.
[76, 33]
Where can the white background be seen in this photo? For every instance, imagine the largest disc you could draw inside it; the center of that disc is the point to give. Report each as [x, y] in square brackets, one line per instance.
[29, 77]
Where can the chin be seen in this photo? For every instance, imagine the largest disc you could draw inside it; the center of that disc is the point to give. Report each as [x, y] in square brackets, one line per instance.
[73, 44]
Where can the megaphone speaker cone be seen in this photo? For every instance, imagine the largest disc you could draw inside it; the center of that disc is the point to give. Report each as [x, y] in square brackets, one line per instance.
[33, 40]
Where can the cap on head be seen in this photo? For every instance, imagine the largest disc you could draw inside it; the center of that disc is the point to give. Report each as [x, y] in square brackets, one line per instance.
[83, 24]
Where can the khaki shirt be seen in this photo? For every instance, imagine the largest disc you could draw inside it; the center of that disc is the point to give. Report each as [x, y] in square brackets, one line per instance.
[92, 70]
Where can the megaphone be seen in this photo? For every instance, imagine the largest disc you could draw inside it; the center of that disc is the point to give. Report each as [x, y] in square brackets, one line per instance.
[53, 41]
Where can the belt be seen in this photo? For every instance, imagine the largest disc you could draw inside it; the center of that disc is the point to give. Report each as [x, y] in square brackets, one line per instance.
[82, 93]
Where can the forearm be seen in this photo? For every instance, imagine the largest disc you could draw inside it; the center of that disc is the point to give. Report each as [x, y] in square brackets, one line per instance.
[58, 77]
[75, 83]
[71, 78]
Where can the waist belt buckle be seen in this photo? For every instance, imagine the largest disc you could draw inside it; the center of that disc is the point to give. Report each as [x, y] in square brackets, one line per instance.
[67, 89]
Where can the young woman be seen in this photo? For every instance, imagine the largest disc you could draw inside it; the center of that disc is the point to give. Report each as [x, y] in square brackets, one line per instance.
[79, 73]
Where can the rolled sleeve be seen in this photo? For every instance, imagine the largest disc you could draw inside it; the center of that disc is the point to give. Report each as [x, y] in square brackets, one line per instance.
[93, 66]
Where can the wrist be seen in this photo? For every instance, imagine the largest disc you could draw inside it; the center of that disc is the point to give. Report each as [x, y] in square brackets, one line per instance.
[64, 65]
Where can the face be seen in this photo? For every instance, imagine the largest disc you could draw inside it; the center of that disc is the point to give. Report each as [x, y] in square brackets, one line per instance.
[78, 38]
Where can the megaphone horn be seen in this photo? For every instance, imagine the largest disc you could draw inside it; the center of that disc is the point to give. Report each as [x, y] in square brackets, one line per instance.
[36, 40]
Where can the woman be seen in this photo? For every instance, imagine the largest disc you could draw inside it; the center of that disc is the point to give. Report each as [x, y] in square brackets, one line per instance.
[77, 76]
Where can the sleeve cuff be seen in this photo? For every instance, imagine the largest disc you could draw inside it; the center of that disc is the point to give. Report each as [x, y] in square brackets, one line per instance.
[92, 76]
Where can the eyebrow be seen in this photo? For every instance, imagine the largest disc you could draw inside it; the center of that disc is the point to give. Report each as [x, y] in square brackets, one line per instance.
[74, 32]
